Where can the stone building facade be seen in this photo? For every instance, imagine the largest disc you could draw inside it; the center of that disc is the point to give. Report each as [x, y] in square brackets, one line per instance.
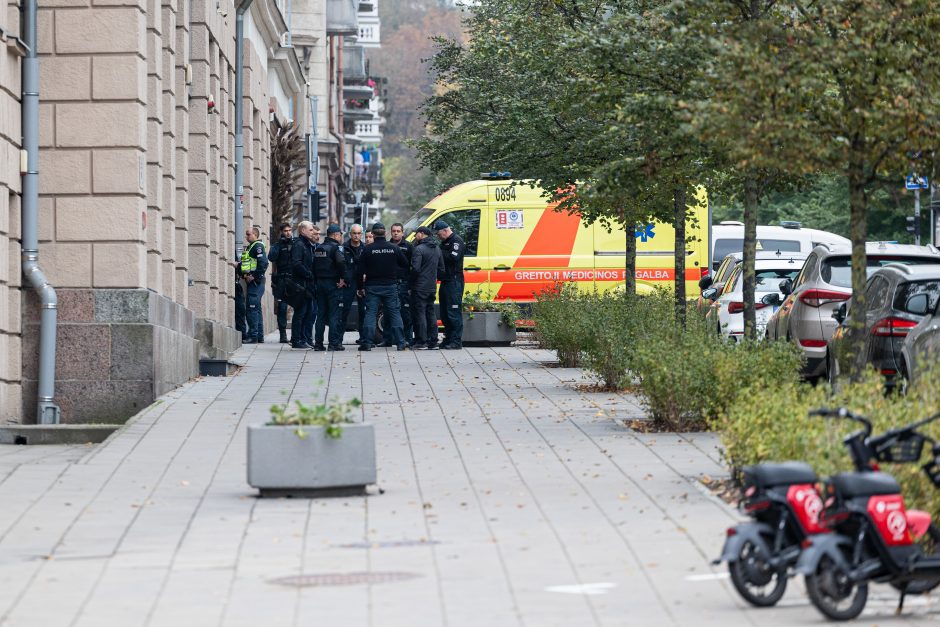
[11, 51]
[136, 192]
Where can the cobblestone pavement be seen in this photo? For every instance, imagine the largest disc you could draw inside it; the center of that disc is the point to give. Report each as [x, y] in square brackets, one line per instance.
[513, 495]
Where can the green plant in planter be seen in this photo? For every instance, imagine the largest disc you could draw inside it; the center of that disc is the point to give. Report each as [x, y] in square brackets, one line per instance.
[476, 301]
[332, 416]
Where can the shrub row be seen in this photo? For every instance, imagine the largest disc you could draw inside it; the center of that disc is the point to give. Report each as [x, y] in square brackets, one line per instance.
[751, 392]
[685, 373]
[772, 424]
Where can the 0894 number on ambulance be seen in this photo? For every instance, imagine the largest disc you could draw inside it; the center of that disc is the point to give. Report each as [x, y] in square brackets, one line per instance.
[517, 245]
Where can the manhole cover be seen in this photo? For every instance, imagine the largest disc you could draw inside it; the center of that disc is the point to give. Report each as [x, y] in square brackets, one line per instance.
[343, 579]
[391, 544]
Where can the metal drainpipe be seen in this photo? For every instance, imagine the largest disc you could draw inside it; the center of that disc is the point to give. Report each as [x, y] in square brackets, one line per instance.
[47, 410]
[239, 134]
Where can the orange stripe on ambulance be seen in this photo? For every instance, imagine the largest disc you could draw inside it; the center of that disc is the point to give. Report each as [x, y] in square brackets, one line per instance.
[518, 245]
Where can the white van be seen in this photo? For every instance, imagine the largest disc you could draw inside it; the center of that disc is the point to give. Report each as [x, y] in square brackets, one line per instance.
[728, 237]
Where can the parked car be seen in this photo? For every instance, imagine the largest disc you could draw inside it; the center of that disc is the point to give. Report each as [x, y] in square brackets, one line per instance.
[727, 311]
[717, 280]
[825, 282]
[921, 347]
[897, 298]
[728, 238]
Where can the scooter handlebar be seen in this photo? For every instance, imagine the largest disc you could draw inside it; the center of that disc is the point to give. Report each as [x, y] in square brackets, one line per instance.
[842, 412]
[825, 411]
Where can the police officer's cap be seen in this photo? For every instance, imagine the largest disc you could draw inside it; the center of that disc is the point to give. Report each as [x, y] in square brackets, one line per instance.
[424, 230]
[440, 225]
[333, 228]
[378, 226]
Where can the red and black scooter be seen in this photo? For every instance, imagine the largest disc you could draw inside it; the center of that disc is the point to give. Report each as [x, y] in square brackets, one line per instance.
[874, 537]
[784, 505]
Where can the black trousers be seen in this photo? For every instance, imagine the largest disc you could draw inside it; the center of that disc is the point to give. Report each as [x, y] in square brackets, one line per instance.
[423, 318]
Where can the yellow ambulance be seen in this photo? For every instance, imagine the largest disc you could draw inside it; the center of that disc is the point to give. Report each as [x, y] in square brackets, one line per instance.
[517, 245]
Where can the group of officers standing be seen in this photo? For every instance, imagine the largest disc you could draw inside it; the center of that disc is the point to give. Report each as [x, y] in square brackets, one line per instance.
[320, 279]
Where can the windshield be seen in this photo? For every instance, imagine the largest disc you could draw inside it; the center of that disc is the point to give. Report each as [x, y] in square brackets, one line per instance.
[907, 291]
[768, 280]
[418, 219]
[838, 270]
[724, 247]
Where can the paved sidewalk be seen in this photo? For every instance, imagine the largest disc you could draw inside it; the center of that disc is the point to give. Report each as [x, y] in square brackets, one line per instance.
[511, 497]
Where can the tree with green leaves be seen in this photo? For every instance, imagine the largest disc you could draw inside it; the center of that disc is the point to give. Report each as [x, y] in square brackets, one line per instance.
[644, 62]
[842, 87]
[533, 92]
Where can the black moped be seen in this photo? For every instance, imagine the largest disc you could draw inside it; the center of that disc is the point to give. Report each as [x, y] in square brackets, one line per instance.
[875, 538]
[784, 506]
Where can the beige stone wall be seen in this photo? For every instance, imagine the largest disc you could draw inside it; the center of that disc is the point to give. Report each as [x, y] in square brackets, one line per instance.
[211, 211]
[136, 178]
[93, 140]
[10, 138]
[137, 172]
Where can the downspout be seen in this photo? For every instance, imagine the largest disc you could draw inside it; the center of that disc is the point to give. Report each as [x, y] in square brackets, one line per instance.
[47, 411]
[341, 117]
[239, 190]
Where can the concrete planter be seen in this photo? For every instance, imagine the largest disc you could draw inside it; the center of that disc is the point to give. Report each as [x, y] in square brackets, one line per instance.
[281, 462]
[486, 328]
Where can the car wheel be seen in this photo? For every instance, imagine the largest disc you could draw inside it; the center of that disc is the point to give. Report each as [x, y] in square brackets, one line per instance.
[380, 322]
[831, 374]
[903, 379]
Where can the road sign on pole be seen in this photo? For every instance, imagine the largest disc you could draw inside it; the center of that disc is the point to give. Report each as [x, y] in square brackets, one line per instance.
[916, 182]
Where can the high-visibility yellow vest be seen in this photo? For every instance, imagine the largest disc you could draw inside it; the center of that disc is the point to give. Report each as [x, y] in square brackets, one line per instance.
[249, 263]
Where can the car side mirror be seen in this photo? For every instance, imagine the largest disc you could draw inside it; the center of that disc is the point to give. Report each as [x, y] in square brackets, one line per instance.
[917, 305]
[786, 287]
[772, 299]
[840, 314]
[705, 282]
[710, 294]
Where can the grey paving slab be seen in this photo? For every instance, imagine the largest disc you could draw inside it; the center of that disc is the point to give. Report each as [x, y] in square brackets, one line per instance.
[513, 493]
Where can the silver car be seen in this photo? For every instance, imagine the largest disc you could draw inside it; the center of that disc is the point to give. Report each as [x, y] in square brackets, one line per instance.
[921, 348]
[824, 283]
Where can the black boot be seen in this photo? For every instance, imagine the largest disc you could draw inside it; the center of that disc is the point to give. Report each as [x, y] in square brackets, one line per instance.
[283, 336]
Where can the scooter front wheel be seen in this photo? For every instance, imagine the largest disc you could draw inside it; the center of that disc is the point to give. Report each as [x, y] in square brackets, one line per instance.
[832, 592]
[754, 579]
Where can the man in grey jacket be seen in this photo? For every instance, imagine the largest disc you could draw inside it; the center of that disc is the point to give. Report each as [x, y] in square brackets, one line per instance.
[427, 264]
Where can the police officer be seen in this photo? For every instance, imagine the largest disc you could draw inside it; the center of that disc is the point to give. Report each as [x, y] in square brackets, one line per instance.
[451, 298]
[279, 257]
[352, 250]
[377, 280]
[241, 325]
[426, 265]
[253, 265]
[304, 286]
[404, 296]
[329, 266]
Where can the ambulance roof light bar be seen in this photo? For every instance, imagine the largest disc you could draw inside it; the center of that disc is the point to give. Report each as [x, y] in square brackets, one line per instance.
[495, 176]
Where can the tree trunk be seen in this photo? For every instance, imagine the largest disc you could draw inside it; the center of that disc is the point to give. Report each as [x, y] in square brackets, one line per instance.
[858, 231]
[629, 274]
[749, 254]
[679, 213]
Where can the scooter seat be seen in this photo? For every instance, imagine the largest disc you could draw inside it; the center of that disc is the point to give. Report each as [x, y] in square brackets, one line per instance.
[785, 473]
[849, 484]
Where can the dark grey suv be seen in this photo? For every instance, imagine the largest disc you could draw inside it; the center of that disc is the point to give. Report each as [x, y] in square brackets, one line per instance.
[921, 349]
[897, 298]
